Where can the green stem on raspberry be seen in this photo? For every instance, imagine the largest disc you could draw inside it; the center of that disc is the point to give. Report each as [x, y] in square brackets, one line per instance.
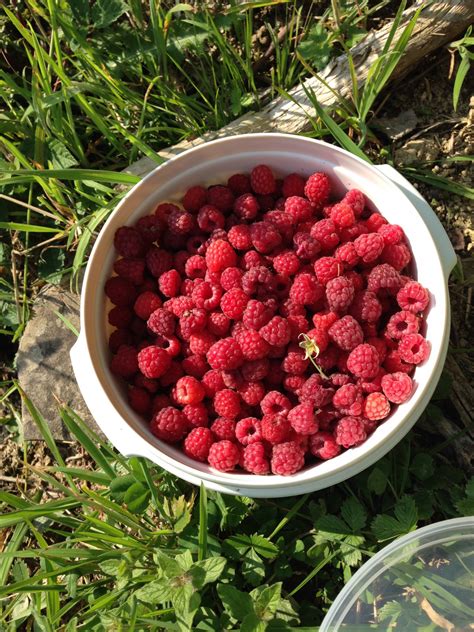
[311, 350]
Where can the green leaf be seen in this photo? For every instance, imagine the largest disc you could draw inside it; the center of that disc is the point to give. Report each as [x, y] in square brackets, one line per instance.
[207, 571]
[267, 600]
[406, 513]
[238, 604]
[263, 546]
[178, 512]
[316, 46]
[170, 567]
[332, 526]
[185, 602]
[460, 76]
[377, 481]
[61, 157]
[253, 567]
[80, 11]
[422, 466]
[120, 485]
[385, 527]
[252, 623]
[354, 514]
[105, 12]
[390, 610]
[406, 516]
[51, 265]
[154, 592]
[203, 521]
[137, 498]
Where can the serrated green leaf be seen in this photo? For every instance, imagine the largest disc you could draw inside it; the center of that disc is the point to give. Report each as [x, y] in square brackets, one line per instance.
[263, 546]
[237, 603]
[105, 12]
[332, 526]
[377, 481]
[385, 527]
[155, 592]
[390, 610]
[185, 603]
[207, 571]
[267, 601]
[252, 623]
[253, 568]
[354, 514]
[110, 567]
[316, 47]
[170, 567]
[422, 466]
[406, 513]
[137, 498]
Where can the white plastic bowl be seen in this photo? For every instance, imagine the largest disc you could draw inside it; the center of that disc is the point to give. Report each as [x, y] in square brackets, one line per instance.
[214, 162]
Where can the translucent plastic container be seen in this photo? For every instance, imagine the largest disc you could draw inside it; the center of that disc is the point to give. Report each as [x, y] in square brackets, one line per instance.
[422, 582]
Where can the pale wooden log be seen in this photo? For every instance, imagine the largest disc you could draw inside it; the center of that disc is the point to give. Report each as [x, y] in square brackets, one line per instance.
[437, 24]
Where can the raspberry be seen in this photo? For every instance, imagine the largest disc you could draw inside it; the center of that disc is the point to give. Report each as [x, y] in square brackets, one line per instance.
[120, 291]
[254, 459]
[275, 428]
[293, 384]
[376, 406]
[366, 307]
[223, 428]
[221, 197]
[239, 183]
[402, 323]
[305, 290]
[342, 214]
[396, 255]
[201, 342]
[286, 263]
[163, 210]
[234, 302]
[413, 349]
[393, 363]
[150, 228]
[340, 379]
[223, 455]
[194, 198]
[218, 324]
[257, 281]
[128, 242]
[323, 446]
[209, 218]
[120, 316]
[287, 458]
[375, 221]
[276, 332]
[373, 385]
[169, 425]
[158, 261]
[231, 278]
[225, 354]
[198, 443]
[131, 269]
[324, 320]
[239, 237]
[262, 180]
[275, 403]
[255, 370]
[253, 346]
[161, 321]
[356, 199]
[306, 247]
[293, 184]
[383, 276]
[391, 233]
[298, 208]
[153, 362]
[380, 345]
[139, 399]
[265, 237]
[246, 206]
[327, 268]
[302, 419]
[206, 295]
[227, 403]
[369, 247]
[281, 221]
[170, 283]
[144, 382]
[346, 333]
[196, 415]
[326, 234]
[192, 322]
[252, 259]
[298, 325]
[339, 294]
[181, 222]
[397, 387]
[252, 393]
[275, 375]
[159, 402]
[413, 297]
[350, 431]
[317, 189]
[195, 267]
[348, 400]
[314, 393]
[220, 255]
[212, 382]
[172, 375]
[146, 304]
[189, 391]
[125, 362]
[295, 361]
[248, 431]
[363, 361]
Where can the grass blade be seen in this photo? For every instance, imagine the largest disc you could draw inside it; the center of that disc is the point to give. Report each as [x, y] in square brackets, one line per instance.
[202, 535]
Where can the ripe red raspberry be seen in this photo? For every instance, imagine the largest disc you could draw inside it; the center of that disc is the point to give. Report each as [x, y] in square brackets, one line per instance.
[346, 333]
[194, 198]
[153, 362]
[125, 362]
[276, 332]
[317, 189]
[159, 402]
[275, 403]
[163, 210]
[369, 247]
[161, 321]
[287, 458]
[294, 384]
[298, 325]
[339, 294]
[170, 344]
[257, 281]
[169, 425]
[239, 237]
[324, 320]
[295, 362]
[252, 259]
[350, 431]
[189, 390]
[254, 459]
[255, 370]
[252, 393]
[248, 431]
[253, 346]
[374, 384]
[356, 199]
[221, 197]
[120, 291]
[212, 382]
[265, 237]
[246, 206]
[391, 233]
[305, 290]
[327, 268]
[201, 342]
[366, 307]
[393, 363]
[298, 208]
[293, 184]
[305, 246]
[281, 221]
[120, 316]
[227, 403]
[150, 228]
[192, 322]
[131, 269]
[262, 180]
[223, 455]
[376, 406]
[206, 295]
[225, 354]
[397, 387]
[303, 419]
[223, 429]
[318, 337]
[198, 443]
[218, 324]
[375, 221]
[144, 382]
[348, 400]
[286, 263]
[346, 254]
[146, 304]
[196, 415]
[413, 349]
[325, 234]
[323, 445]
[128, 242]
[139, 399]
[181, 222]
[158, 261]
[231, 278]
[342, 214]
[402, 323]
[413, 297]
[275, 428]
[233, 303]
[314, 393]
[363, 361]
[239, 183]
[220, 255]
[170, 283]
[396, 255]
[210, 218]
[383, 276]
[118, 338]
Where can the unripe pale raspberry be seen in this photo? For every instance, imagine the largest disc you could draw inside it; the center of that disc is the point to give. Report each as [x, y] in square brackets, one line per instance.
[376, 406]
[397, 387]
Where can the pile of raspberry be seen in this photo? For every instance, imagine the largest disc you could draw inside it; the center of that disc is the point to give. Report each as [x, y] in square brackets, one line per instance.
[263, 325]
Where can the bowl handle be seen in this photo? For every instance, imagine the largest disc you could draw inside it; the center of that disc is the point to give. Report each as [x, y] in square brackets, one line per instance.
[446, 251]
